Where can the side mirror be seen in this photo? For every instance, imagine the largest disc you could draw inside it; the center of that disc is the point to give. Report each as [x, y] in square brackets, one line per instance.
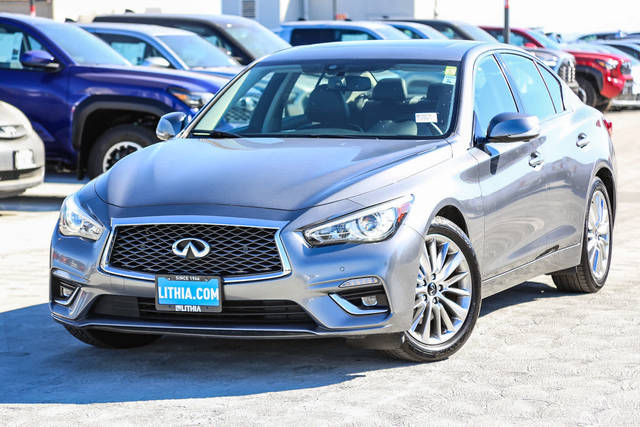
[156, 61]
[170, 125]
[513, 127]
[39, 59]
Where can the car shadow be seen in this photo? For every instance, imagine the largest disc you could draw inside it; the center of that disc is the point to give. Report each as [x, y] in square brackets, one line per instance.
[31, 204]
[41, 363]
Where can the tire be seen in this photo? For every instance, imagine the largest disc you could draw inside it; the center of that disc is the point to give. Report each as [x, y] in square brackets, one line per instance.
[582, 278]
[604, 105]
[115, 144]
[419, 344]
[108, 339]
[592, 97]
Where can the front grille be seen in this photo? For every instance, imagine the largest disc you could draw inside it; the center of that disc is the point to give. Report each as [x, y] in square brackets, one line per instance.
[235, 250]
[567, 71]
[263, 312]
[625, 68]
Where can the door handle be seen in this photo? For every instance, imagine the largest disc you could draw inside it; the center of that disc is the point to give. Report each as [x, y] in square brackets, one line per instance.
[535, 160]
[582, 141]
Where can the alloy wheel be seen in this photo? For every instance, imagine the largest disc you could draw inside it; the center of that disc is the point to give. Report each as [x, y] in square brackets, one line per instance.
[598, 235]
[443, 292]
[117, 152]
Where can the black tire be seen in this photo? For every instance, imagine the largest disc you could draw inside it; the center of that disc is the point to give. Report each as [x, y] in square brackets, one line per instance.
[138, 135]
[591, 92]
[580, 278]
[108, 339]
[412, 350]
[604, 104]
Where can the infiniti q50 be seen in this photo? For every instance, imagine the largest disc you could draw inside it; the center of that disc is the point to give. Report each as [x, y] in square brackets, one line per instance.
[375, 191]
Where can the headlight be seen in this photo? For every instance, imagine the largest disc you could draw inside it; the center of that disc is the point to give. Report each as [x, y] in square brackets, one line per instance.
[609, 64]
[549, 59]
[76, 222]
[368, 225]
[194, 100]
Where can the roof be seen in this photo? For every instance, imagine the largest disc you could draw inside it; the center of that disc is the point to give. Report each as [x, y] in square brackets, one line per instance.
[372, 25]
[151, 30]
[443, 50]
[218, 19]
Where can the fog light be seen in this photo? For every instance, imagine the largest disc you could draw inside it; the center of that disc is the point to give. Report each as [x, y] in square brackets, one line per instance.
[362, 281]
[65, 292]
[370, 301]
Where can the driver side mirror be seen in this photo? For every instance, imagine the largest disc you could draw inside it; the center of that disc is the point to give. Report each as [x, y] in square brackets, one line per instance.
[39, 59]
[170, 125]
[156, 61]
[513, 127]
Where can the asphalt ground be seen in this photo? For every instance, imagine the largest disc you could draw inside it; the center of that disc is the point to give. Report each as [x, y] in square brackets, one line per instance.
[536, 357]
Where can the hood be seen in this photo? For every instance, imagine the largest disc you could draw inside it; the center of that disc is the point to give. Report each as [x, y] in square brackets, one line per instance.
[227, 71]
[287, 174]
[149, 76]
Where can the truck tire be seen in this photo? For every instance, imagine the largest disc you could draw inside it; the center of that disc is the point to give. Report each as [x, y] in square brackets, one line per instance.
[115, 144]
[591, 92]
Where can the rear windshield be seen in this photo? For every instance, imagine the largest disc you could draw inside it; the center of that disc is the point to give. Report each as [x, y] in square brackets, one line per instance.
[196, 52]
[350, 99]
[84, 48]
[256, 39]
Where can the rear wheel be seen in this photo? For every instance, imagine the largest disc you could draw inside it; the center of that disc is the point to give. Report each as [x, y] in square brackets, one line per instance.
[108, 339]
[447, 296]
[591, 274]
[115, 144]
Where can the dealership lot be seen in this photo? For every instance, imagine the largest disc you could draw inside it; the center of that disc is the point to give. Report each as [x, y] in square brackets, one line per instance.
[536, 355]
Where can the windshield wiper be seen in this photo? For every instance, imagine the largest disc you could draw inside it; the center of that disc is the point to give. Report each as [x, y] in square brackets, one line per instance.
[216, 134]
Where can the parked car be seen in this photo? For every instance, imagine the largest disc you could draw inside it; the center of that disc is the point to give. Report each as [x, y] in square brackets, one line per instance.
[414, 30]
[386, 228]
[630, 96]
[89, 105]
[456, 30]
[311, 32]
[243, 39]
[21, 153]
[610, 35]
[600, 76]
[164, 47]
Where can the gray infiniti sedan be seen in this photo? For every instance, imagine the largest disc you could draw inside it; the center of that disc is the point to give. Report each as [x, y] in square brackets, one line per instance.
[375, 191]
[21, 153]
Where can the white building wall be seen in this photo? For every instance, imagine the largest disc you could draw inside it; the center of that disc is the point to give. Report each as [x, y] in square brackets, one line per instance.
[85, 10]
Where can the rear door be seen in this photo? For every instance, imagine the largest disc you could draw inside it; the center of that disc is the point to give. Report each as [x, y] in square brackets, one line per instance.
[513, 188]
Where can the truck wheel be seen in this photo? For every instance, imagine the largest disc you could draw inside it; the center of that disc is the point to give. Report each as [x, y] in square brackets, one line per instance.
[590, 91]
[116, 143]
[604, 104]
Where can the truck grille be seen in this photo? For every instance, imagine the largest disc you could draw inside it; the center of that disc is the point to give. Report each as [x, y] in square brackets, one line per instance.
[625, 68]
[567, 71]
[235, 250]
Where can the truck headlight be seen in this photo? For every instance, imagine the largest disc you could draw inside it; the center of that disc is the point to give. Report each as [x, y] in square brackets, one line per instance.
[369, 225]
[195, 100]
[76, 222]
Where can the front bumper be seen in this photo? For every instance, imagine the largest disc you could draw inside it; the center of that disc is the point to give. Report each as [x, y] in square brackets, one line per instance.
[312, 284]
[14, 180]
[630, 96]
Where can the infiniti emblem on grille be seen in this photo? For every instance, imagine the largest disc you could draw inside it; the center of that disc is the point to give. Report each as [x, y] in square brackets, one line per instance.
[191, 248]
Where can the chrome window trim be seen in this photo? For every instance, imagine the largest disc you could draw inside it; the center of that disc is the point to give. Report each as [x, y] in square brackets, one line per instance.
[197, 220]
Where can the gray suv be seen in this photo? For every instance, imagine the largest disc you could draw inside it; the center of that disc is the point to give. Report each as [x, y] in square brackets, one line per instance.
[375, 191]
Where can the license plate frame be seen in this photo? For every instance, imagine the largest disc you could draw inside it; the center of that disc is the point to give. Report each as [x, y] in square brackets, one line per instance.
[24, 159]
[178, 299]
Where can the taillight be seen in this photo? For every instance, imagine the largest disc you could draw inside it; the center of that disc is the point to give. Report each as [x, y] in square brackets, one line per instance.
[608, 125]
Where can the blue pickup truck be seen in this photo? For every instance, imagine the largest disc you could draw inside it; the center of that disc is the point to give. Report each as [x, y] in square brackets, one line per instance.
[89, 105]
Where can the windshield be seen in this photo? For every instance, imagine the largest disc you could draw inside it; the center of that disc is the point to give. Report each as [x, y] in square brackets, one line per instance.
[196, 52]
[84, 48]
[544, 40]
[389, 33]
[256, 39]
[348, 99]
[477, 33]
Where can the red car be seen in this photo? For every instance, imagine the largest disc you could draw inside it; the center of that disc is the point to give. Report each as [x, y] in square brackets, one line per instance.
[602, 76]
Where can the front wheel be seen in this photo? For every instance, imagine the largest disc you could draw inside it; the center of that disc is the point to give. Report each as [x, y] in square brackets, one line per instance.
[447, 296]
[115, 144]
[591, 274]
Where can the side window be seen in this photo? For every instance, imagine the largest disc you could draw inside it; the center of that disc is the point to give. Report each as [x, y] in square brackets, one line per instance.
[134, 49]
[450, 33]
[491, 95]
[555, 89]
[352, 35]
[303, 36]
[13, 43]
[529, 85]
[514, 39]
[409, 33]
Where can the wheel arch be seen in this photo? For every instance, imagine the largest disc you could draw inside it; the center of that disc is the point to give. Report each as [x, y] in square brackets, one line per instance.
[96, 114]
[591, 74]
[606, 175]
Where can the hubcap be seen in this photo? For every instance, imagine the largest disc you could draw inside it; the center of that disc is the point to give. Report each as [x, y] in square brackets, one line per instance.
[443, 292]
[117, 152]
[598, 235]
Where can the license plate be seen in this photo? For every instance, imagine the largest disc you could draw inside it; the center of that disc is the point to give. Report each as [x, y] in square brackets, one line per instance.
[189, 294]
[23, 159]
